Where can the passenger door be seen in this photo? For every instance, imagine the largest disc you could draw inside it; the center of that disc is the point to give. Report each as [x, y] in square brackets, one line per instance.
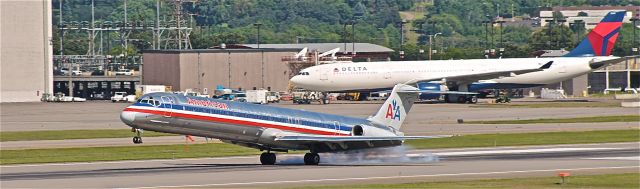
[167, 105]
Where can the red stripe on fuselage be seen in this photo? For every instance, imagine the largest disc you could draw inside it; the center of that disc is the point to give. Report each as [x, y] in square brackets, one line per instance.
[233, 121]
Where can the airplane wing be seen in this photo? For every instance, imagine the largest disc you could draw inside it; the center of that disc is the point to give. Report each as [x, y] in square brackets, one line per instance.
[321, 138]
[481, 76]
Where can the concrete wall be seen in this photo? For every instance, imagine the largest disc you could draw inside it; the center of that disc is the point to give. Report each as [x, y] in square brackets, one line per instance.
[200, 69]
[161, 69]
[25, 50]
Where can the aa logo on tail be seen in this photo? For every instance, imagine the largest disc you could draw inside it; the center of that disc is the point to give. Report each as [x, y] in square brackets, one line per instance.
[393, 111]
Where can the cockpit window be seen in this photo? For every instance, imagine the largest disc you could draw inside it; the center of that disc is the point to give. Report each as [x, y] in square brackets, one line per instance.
[304, 73]
[149, 100]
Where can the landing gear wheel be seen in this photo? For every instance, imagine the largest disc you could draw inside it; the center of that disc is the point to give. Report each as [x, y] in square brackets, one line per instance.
[311, 159]
[473, 99]
[268, 158]
[137, 140]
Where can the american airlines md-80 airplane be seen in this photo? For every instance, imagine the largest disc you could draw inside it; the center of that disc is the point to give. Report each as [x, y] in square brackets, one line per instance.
[270, 128]
[469, 75]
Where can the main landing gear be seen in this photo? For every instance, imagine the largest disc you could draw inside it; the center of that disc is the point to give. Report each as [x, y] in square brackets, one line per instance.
[268, 158]
[311, 159]
[138, 138]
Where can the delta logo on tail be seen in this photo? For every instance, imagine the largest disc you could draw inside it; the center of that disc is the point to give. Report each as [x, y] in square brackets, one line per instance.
[393, 111]
[600, 41]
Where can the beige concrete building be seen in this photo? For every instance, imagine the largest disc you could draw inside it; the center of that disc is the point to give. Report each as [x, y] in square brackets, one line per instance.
[204, 69]
[25, 50]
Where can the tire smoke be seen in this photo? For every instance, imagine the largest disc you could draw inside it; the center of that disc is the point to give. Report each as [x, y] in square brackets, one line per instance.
[391, 155]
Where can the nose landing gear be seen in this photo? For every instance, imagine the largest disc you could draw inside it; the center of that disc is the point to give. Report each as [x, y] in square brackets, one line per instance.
[138, 138]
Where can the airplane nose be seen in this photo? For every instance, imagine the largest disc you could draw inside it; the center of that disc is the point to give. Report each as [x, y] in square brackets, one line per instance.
[296, 80]
[128, 117]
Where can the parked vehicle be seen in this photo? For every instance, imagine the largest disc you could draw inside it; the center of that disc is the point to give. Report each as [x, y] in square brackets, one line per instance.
[124, 72]
[273, 97]
[123, 97]
[257, 96]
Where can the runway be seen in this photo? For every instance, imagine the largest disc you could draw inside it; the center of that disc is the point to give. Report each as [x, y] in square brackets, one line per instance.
[441, 164]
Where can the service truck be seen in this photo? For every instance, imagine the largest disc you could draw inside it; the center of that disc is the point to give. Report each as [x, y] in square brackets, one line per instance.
[123, 97]
[257, 96]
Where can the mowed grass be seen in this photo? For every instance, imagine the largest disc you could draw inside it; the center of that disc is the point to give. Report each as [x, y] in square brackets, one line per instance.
[72, 134]
[551, 105]
[519, 139]
[91, 154]
[604, 181]
[596, 119]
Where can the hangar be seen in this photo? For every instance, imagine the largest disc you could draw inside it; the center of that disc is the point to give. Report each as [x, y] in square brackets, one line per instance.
[241, 67]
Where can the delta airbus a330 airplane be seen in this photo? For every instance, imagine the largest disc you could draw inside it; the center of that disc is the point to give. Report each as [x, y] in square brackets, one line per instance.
[468, 75]
[270, 128]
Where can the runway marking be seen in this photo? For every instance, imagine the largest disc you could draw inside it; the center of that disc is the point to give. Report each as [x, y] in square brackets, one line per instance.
[245, 157]
[541, 150]
[633, 158]
[387, 177]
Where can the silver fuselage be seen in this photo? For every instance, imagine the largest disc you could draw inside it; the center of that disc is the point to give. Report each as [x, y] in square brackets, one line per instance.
[245, 124]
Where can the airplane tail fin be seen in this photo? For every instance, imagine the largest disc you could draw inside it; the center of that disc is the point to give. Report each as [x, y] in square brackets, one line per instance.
[600, 41]
[394, 110]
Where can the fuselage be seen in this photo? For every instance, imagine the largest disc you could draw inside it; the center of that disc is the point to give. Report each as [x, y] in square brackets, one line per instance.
[239, 123]
[371, 76]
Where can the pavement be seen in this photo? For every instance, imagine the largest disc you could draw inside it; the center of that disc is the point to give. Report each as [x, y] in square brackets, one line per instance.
[395, 165]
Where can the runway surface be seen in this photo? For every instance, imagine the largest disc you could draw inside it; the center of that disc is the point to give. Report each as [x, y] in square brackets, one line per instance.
[417, 165]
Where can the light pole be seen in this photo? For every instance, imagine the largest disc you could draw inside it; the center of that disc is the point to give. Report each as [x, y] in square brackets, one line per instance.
[402, 38]
[431, 38]
[257, 25]
[635, 47]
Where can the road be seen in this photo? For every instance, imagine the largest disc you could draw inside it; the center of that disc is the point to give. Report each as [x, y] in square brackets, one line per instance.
[416, 165]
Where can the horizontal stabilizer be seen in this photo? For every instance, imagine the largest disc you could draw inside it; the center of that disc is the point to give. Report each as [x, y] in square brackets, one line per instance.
[353, 138]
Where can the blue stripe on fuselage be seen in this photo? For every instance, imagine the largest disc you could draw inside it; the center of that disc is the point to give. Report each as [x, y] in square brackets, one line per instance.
[283, 118]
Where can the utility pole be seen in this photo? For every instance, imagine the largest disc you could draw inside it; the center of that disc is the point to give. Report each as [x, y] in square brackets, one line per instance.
[257, 25]
[157, 32]
[431, 39]
[126, 43]
[353, 38]
[402, 38]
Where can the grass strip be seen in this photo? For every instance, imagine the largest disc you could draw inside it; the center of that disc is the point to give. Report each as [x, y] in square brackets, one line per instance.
[596, 119]
[72, 134]
[608, 181]
[519, 139]
[90, 154]
[551, 105]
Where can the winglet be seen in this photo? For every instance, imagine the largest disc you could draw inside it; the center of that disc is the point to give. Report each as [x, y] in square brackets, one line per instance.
[546, 66]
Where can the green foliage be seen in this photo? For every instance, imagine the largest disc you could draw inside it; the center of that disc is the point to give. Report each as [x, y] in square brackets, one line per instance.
[71, 134]
[312, 21]
[597, 119]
